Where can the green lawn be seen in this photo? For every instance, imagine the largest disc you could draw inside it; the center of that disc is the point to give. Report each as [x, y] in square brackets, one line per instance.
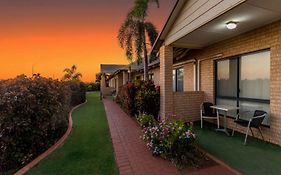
[88, 150]
[257, 157]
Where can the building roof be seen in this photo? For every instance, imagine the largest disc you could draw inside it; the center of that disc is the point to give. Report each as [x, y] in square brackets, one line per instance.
[207, 25]
[137, 66]
[111, 68]
[170, 21]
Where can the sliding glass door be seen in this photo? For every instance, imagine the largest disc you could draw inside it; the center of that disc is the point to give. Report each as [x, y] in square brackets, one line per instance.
[244, 81]
[227, 83]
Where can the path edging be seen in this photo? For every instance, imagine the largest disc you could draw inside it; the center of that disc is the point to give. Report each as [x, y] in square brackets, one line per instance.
[59, 143]
[220, 162]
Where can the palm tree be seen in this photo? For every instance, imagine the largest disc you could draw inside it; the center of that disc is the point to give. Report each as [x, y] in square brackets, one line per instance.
[71, 74]
[135, 31]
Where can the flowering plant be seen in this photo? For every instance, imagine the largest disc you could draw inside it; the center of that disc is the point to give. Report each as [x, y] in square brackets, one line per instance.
[173, 140]
[146, 120]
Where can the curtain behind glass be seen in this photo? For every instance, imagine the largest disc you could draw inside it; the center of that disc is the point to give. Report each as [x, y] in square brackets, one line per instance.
[180, 80]
[227, 78]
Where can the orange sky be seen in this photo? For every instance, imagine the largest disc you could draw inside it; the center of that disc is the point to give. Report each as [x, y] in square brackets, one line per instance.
[51, 35]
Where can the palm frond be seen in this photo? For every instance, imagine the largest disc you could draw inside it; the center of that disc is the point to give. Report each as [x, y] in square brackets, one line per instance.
[71, 74]
[77, 76]
[73, 68]
[67, 70]
[140, 9]
[155, 1]
[132, 32]
[124, 30]
[151, 32]
[129, 47]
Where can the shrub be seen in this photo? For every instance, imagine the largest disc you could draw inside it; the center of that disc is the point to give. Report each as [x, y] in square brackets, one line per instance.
[93, 87]
[146, 120]
[173, 140]
[78, 92]
[147, 98]
[126, 98]
[139, 97]
[33, 115]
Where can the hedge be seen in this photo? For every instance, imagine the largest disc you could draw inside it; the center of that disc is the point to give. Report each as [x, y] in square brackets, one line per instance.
[126, 98]
[93, 86]
[33, 116]
[139, 97]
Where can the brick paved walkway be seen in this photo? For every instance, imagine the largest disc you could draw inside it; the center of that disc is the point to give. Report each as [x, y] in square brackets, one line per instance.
[132, 156]
[131, 153]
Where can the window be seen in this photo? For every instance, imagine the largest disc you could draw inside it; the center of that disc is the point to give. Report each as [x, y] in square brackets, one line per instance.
[178, 80]
[151, 77]
[244, 81]
[138, 77]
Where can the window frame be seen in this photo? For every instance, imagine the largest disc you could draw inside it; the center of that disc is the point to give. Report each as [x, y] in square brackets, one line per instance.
[176, 79]
[151, 76]
[238, 98]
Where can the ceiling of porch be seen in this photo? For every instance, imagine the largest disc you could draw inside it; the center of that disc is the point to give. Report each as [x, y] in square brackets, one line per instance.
[249, 15]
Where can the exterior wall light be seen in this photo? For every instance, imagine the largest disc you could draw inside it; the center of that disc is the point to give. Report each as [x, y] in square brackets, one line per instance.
[231, 25]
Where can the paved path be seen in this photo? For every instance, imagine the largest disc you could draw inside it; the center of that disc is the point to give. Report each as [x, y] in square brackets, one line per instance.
[131, 153]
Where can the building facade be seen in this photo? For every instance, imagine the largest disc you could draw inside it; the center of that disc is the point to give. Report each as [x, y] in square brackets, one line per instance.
[225, 52]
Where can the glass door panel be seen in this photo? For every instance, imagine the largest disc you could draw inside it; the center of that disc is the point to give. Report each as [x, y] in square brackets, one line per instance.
[255, 75]
[252, 106]
[227, 78]
[221, 101]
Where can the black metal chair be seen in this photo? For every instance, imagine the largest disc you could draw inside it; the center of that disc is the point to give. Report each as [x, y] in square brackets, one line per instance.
[254, 122]
[208, 113]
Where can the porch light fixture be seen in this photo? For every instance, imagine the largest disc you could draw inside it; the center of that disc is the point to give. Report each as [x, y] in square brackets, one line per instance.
[231, 25]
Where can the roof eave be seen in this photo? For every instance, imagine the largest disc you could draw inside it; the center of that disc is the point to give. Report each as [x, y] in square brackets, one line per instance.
[169, 23]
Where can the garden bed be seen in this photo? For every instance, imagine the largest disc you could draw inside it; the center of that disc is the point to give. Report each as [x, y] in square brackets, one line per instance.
[171, 139]
[204, 164]
[195, 160]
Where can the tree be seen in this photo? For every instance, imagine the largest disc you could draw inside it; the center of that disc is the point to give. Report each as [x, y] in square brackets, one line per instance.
[135, 31]
[98, 77]
[71, 74]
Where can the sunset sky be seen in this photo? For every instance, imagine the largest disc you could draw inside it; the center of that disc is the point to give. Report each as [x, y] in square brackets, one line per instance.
[50, 35]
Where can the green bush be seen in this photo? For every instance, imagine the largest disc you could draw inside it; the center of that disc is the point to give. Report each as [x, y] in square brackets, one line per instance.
[93, 87]
[78, 92]
[139, 97]
[146, 120]
[147, 99]
[33, 116]
[126, 98]
[173, 140]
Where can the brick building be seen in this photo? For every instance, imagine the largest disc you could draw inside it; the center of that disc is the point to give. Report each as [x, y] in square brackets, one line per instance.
[107, 86]
[114, 76]
[225, 52]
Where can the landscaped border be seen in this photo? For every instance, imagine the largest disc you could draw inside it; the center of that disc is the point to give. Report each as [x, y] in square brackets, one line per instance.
[52, 148]
[219, 161]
